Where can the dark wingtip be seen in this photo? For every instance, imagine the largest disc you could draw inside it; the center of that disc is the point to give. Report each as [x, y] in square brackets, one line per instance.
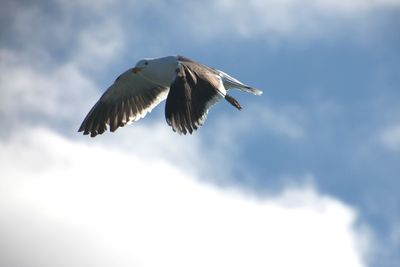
[81, 128]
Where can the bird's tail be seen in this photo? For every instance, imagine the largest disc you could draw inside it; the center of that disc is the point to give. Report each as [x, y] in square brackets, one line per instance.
[249, 89]
[230, 82]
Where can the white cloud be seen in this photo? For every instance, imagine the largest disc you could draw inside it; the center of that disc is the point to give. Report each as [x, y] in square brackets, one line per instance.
[109, 24]
[276, 19]
[390, 137]
[46, 75]
[33, 77]
[51, 77]
[103, 207]
[68, 203]
[60, 93]
[99, 45]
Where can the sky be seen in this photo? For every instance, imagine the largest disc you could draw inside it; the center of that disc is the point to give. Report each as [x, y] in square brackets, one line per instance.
[305, 175]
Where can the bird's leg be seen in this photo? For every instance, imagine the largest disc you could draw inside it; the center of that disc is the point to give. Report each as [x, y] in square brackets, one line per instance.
[233, 101]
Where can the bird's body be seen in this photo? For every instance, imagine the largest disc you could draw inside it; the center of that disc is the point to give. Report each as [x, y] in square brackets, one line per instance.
[190, 88]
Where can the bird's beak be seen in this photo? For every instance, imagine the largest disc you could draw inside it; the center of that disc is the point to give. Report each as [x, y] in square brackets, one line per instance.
[136, 69]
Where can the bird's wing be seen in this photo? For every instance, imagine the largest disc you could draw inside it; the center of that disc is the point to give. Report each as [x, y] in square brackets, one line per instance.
[193, 92]
[128, 99]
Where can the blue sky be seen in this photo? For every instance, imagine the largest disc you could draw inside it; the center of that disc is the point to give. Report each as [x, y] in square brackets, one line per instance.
[325, 133]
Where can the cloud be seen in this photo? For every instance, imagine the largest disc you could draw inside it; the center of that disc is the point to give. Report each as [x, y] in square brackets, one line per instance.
[69, 203]
[51, 66]
[390, 137]
[99, 45]
[35, 94]
[58, 66]
[276, 20]
[118, 25]
[56, 194]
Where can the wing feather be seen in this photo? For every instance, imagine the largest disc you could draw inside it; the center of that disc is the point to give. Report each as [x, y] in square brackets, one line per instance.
[128, 99]
[193, 92]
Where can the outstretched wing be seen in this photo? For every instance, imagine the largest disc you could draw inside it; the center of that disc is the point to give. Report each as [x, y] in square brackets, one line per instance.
[193, 92]
[128, 99]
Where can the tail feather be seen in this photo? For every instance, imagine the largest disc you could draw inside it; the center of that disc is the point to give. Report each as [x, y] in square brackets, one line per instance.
[230, 82]
[251, 90]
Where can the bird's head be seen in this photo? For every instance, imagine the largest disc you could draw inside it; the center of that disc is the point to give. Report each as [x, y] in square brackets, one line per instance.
[163, 64]
[140, 65]
[160, 71]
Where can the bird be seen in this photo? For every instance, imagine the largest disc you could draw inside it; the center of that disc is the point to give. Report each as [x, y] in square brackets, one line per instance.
[190, 89]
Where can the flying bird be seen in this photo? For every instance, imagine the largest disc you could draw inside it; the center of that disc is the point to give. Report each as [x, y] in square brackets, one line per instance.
[190, 88]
